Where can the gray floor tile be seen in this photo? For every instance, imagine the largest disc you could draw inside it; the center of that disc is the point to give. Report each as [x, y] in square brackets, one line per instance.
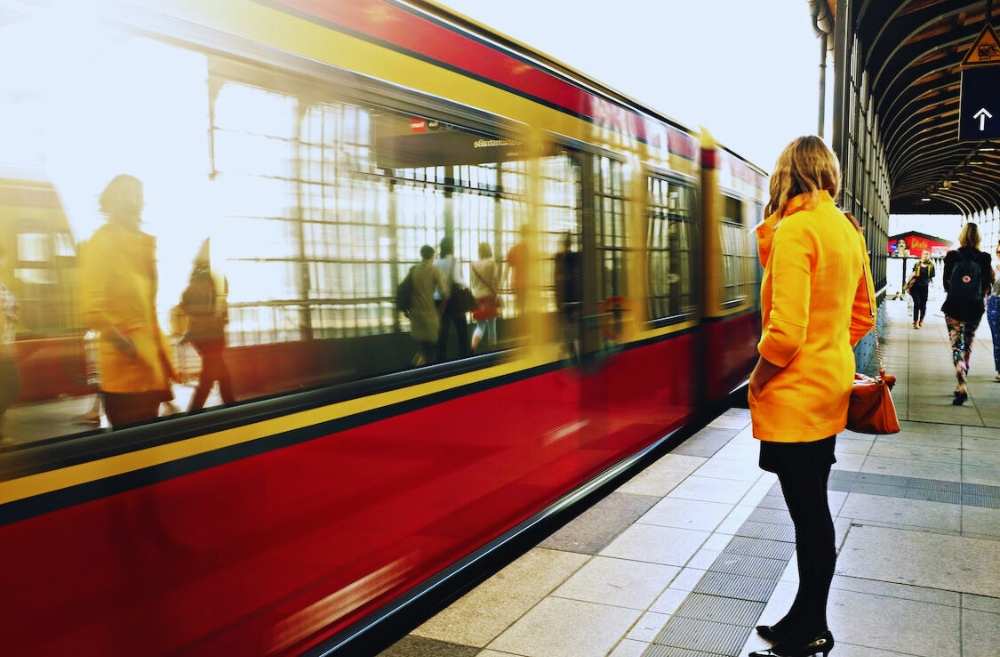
[592, 530]
[722, 468]
[980, 634]
[629, 648]
[618, 582]
[705, 443]
[769, 549]
[736, 586]
[892, 590]
[740, 564]
[648, 626]
[906, 626]
[705, 636]
[767, 531]
[981, 521]
[913, 468]
[977, 474]
[980, 603]
[711, 490]
[655, 544]
[933, 515]
[917, 452]
[415, 646]
[926, 559]
[557, 627]
[721, 610]
[480, 615]
[687, 514]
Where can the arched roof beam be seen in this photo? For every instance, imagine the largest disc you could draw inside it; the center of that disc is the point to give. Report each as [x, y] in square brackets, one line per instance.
[920, 121]
[909, 73]
[888, 48]
[898, 108]
[925, 124]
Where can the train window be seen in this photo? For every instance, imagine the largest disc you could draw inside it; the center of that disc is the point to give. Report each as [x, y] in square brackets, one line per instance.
[288, 213]
[609, 213]
[668, 245]
[737, 255]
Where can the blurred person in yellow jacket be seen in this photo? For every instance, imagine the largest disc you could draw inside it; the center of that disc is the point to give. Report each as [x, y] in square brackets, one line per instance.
[9, 379]
[816, 304]
[118, 290]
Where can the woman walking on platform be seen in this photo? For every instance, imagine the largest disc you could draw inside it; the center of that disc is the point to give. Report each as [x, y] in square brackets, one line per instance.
[968, 278]
[919, 284]
[816, 303]
[993, 315]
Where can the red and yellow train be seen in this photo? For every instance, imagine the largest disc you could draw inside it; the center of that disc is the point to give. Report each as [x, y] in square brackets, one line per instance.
[319, 144]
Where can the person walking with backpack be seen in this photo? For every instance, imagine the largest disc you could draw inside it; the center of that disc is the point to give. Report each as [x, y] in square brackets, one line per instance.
[968, 278]
[205, 304]
[415, 298]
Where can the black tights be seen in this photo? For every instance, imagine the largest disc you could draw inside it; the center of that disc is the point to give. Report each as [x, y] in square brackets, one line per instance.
[804, 488]
[919, 293]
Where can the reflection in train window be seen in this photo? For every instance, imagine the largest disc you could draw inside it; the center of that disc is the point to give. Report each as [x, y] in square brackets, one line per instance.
[311, 209]
[668, 243]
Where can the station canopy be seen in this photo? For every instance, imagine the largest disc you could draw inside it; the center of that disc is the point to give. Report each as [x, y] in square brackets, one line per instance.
[913, 53]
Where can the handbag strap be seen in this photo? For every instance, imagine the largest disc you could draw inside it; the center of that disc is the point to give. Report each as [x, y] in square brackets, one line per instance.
[480, 277]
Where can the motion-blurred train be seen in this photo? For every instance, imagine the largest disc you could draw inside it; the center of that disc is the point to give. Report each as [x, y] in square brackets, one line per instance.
[319, 145]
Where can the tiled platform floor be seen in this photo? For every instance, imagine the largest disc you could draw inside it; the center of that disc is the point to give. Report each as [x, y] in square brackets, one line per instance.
[684, 559]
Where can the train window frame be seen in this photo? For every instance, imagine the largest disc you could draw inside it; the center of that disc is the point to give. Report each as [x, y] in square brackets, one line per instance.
[689, 184]
[744, 281]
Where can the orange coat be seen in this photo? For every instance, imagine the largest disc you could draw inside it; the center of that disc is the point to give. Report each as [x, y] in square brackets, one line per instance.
[118, 289]
[817, 302]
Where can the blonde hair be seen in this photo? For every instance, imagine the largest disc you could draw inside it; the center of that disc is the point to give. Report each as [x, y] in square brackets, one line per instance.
[806, 166]
[969, 236]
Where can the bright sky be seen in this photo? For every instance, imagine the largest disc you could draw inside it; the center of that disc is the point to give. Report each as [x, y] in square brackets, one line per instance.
[747, 71]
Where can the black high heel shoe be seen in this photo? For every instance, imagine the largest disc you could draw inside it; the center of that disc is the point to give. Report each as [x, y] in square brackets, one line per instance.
[960, 398]
[771, 633]
[821, 644]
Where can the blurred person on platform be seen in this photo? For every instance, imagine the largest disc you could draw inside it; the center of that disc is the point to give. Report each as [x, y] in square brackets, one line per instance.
[204, 303]
[484, 286]
[993, 314]
[9, 378]
[118, 298]
[455, 301]
[968, 278]
[919, 285]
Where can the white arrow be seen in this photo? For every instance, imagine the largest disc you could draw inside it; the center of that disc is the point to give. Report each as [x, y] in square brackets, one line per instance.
[982, 115]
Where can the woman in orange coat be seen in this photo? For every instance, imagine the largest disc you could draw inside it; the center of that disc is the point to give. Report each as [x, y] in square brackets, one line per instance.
[816, 303]
[118, 289]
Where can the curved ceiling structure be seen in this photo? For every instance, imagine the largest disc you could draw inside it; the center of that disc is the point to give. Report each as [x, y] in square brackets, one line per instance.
[912, 51]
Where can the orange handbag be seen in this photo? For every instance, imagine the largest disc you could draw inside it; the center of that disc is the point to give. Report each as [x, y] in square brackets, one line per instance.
[871, 409]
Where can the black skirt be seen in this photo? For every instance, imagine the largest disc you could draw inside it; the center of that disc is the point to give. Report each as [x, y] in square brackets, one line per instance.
[782, 457]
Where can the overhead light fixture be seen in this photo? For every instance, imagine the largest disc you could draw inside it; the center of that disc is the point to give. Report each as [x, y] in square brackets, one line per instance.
[987, 149]
[925, 199]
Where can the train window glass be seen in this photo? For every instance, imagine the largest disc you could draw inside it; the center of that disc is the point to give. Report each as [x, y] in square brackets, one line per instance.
[737, 255]
[609, 213]
[560, 229]
[309, 209]
[669, 248]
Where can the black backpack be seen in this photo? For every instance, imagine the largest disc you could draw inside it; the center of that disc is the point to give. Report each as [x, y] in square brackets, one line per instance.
[404, 294]
[966, 283]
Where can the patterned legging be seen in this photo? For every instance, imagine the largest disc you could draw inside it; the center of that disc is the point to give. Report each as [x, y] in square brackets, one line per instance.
[961, 335]
[993, 317]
